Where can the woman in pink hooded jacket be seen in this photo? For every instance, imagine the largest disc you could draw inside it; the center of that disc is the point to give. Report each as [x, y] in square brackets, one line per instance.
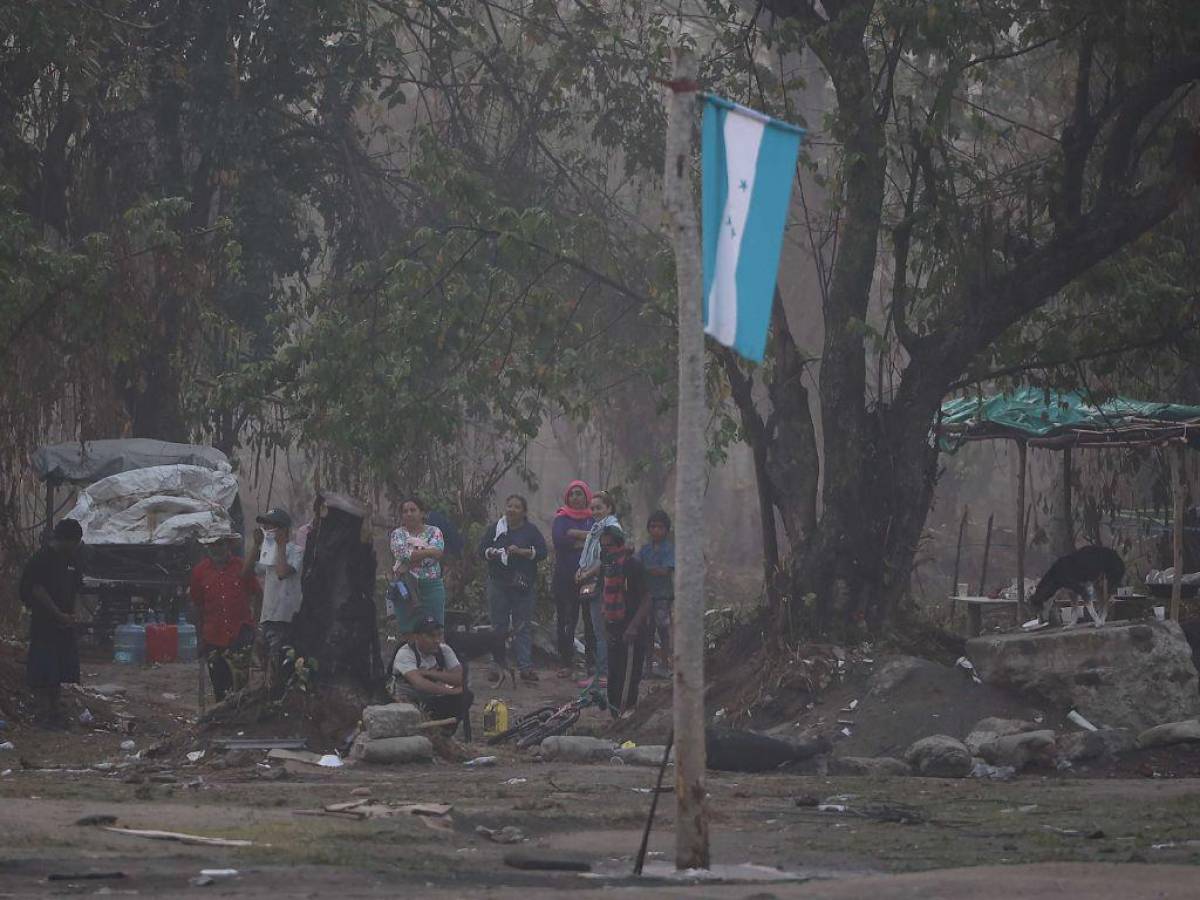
[572, 523]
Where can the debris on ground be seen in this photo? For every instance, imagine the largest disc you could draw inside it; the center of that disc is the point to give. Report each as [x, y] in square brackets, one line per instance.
[509, 834]
[372, 809]
[180, 837]
[100, 819]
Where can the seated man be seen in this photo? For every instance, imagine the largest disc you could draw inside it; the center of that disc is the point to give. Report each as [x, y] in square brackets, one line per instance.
[432, 675]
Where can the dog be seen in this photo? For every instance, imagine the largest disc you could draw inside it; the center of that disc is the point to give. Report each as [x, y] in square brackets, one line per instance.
[1089, 572]
[468, 645]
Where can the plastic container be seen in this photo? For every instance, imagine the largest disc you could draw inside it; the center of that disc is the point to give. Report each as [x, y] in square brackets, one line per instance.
[129, 643]
[495, 718]
[185, 640]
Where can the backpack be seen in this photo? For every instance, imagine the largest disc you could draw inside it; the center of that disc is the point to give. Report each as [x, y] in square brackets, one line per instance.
[612, 604]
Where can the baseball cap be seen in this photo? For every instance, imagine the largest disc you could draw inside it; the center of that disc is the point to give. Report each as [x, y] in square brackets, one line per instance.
[277, 516]
[427, 625]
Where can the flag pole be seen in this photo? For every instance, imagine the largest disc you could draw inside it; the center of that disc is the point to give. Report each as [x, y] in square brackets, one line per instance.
[691, 820]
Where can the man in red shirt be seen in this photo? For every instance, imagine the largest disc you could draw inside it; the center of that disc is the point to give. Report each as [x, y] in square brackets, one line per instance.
[221, 596]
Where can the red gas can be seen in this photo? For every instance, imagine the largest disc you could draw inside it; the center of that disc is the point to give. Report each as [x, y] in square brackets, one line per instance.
[162, 643]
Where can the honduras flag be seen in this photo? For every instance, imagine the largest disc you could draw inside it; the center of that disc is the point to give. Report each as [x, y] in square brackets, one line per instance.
[748, 162]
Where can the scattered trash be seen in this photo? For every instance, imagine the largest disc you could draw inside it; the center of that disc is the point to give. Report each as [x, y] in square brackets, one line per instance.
[86, 716]
[847, 732]
[628, 745]
[8, 745]
[720, 713]
[967, 666]
[85, 876]
[330, 761]
[361, 792]
[515, 781]
[128, 745]
[1079, 720]
[993, 773]
[195, 755]
[259, 743]
[665, 789]
[850, 707]
[100, 819]
[832, 807]
[509, 834]
[169, 696]
[480, 761]
[300, 756]
[180, 837]
[202, 881]
[220, 873]
[1170, 844]
[368, 809]
[5, 773]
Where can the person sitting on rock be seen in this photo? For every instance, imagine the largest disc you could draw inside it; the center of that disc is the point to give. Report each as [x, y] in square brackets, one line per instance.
[430, 675]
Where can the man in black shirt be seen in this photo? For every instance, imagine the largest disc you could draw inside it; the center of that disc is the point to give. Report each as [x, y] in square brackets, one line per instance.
[48, 585]
[626, 608]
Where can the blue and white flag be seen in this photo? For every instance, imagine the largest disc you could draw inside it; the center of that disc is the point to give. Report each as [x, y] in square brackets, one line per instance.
[748, 162]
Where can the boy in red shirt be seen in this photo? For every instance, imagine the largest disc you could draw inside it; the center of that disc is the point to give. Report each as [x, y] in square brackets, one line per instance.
[221, 596]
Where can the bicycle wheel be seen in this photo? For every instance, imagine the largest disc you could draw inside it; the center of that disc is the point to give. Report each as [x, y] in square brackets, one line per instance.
[523, 725]
[556, 724]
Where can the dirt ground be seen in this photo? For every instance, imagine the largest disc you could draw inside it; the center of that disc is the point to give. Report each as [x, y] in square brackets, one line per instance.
[897, 838]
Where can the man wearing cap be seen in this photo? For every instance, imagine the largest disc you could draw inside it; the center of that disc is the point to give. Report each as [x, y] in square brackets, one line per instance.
[221, 595]
[432, 675]
[49, 583]
[277, 560]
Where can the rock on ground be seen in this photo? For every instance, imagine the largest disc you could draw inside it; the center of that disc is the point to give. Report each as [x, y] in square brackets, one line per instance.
[1185, 732]
[647, 755]
[1030, 748]
[571, 748]
[1085, 746]
[397, 750]
[1132, 675]
[987, 730]
[391, 720]
[940, 756]
[868, 765]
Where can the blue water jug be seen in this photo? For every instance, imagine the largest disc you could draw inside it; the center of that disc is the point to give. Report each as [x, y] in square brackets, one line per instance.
[187, 640]
[129, 643]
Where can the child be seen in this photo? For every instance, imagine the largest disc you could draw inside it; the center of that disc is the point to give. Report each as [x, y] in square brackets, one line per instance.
[659, 559]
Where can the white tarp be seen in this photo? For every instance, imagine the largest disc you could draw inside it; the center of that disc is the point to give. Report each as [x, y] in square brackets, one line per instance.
[157, 505]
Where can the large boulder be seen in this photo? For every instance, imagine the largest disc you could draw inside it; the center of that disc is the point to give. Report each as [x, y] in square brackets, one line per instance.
[1186, 732]
[868, 765]
[392, 720]
[1132, 675]
[1086, 746]
[1029, 748]
[940, 756]
[987, 730]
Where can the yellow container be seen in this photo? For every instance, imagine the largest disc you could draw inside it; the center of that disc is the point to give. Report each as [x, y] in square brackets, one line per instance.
[495, 718]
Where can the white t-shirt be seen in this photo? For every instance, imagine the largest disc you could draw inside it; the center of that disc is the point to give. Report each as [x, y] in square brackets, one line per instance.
[281, 596]
[406, 660]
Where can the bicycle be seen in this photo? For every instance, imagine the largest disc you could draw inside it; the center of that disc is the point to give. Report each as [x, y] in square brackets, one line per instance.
[534, 727]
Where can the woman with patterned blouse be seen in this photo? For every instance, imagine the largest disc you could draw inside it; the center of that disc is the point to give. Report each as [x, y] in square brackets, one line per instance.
[418, 549]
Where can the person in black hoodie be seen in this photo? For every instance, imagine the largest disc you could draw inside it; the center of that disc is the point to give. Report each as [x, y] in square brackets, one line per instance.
[513, 547]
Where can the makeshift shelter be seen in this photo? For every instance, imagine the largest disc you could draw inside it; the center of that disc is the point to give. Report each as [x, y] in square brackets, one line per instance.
[1058, 420]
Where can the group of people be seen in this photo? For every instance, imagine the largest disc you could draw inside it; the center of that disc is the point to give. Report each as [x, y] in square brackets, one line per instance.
[243, 604]
[625, 599]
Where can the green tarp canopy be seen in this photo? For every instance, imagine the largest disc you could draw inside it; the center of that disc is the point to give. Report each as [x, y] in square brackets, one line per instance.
[1064, 419]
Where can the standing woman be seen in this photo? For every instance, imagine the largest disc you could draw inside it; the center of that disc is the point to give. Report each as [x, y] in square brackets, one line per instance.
[572, 523]
[513, 547]
[604, 515]
[418, 549]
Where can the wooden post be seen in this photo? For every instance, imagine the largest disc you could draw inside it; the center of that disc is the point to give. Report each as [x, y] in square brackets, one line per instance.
[1021, 453]
[987, 548]
[1176, 457]
[1066, 521]
[691, 819]
[962, 526]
